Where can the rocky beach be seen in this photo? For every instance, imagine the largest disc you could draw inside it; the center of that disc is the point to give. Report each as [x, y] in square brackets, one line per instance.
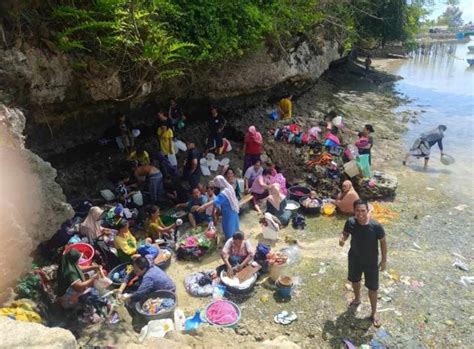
[423, 302]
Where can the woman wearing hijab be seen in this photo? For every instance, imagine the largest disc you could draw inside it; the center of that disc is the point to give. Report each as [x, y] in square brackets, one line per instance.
[276, 204]
[91, 227]
[72, 285]
[228, 204]
[423, 144]
[253, 147]
[98, 237]
[345, 200]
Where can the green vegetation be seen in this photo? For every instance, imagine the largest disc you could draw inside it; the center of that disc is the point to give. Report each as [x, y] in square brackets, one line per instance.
[166, 38]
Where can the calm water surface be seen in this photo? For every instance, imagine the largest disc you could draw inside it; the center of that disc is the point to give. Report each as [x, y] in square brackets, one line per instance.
[439, 81]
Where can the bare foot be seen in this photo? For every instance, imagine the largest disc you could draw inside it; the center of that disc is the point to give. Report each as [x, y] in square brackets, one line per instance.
[354, 303]
[375, 321]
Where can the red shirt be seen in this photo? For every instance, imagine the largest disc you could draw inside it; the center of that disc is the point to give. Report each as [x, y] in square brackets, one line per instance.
[252, 147]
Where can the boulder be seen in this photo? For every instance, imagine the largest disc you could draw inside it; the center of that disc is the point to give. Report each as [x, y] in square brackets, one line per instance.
[32, 204]
[384, 188]
[18, 334]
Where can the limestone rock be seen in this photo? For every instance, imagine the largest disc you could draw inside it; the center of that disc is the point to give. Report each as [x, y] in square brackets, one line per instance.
[18, 334]
[261, 71]
[101, 88]
[385, 187]
[32, 204]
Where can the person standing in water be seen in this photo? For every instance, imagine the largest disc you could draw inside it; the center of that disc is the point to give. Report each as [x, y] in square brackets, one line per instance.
[363, 255]
[423, 144]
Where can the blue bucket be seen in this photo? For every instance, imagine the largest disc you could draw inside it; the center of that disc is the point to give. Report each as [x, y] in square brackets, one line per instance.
[283, 290]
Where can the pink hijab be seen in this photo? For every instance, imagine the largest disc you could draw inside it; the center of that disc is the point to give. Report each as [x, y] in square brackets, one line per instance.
[254, 135]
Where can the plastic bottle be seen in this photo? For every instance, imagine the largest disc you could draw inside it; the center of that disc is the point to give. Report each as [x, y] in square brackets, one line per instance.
[179, 320]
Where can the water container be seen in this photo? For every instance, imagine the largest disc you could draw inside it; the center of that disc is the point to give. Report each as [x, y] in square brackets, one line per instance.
[351, 168]
[137, 198]
[277, 270]
[269, 233]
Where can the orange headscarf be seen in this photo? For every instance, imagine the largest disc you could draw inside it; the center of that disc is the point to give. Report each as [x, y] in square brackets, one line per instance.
[346, 200]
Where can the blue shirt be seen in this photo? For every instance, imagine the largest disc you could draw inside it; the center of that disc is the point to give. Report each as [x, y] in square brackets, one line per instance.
[153, 280]
[196, 202]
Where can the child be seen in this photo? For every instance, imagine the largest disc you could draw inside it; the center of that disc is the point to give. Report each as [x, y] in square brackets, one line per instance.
[211, 210]
[363, 141]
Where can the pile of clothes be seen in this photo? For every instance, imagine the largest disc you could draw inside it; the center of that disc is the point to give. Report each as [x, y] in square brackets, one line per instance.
[294, 134]
[194, 245]
[153, 306]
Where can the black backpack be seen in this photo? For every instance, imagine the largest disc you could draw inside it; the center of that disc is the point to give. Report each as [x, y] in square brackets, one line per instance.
[299, 222]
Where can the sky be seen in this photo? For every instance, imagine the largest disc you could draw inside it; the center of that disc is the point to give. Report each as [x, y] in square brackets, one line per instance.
[466, 6]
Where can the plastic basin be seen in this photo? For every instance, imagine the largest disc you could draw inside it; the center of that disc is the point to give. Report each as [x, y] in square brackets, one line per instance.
[164, 314]
[297, 192]
[239, 314]
[310, 210]
[293, 203]
[86, 250]
[117, 269]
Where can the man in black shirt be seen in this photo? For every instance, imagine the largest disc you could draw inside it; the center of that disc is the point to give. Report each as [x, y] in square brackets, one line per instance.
[216, 125]
[364, 253]
[192, 171]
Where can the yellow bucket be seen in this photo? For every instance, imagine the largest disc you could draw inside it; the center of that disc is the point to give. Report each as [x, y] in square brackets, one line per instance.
[328, 209]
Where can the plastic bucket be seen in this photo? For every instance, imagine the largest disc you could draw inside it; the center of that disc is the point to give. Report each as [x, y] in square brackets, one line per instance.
[284, 292]
[86, 250]
[138, 198]
[351, 168]
[269, 233]
[277, 270]
[297, 192]
[363, 163]
[164, 314]
[284, 289]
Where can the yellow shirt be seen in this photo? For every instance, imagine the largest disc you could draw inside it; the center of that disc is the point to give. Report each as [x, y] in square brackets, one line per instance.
[152, 227]
[166, 143]
[143, 159]
[127, 243]
[285, 108]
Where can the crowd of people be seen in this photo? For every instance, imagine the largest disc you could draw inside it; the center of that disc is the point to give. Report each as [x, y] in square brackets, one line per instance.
[215, 202]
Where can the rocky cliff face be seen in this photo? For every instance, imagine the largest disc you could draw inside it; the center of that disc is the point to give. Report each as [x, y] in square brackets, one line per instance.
[32, 204]
[66, 105]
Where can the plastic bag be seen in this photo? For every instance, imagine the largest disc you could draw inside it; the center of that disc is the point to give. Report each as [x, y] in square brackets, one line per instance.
[293, 253]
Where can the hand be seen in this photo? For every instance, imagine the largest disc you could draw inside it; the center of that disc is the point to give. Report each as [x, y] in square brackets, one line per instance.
[200, 209]
[382, 265]
[341, 242]
[230, 272]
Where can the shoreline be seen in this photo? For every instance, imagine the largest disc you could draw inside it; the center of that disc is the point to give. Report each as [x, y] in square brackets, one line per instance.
[320, 298]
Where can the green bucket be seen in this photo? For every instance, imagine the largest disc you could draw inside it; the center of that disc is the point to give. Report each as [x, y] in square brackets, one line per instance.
[364, 165]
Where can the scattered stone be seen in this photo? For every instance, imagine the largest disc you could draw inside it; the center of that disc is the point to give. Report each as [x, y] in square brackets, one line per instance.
[460, 265]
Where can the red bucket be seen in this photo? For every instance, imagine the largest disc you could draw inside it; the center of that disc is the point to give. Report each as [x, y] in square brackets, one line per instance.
[86, 250]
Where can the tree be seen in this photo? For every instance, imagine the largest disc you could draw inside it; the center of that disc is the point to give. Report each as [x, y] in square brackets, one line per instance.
[451, 17]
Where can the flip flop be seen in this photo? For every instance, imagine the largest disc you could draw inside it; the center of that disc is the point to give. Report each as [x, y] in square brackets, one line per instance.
[375, 322]
[352, 304]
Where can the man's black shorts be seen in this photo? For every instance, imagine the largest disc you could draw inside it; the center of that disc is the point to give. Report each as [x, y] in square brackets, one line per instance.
[215, 141]
[371, 274]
